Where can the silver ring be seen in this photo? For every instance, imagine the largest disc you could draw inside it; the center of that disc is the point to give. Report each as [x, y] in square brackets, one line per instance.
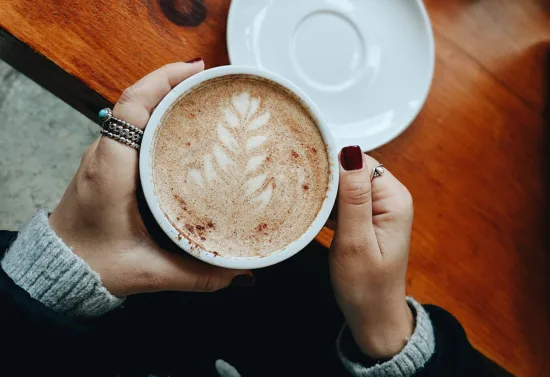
[378, 171]
[119, 130]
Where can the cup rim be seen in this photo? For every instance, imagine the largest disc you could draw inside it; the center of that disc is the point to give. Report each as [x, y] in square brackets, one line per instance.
[146, 171]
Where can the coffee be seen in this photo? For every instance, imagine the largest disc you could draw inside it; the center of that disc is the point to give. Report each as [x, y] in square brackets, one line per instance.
[239, 166]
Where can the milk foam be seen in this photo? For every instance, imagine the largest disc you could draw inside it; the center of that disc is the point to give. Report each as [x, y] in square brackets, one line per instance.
[240, 167]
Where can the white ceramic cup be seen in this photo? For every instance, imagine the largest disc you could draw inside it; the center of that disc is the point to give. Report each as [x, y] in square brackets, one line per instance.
[146, 171]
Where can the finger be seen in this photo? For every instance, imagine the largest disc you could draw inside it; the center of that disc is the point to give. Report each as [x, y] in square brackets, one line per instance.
[389, 195]
[181, 273]
[90, 151]
[393, 211]
[138, 101]
[354, 217]
[135, 106]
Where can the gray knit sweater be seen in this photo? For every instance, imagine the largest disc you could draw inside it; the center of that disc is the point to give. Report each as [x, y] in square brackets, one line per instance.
[39, 262]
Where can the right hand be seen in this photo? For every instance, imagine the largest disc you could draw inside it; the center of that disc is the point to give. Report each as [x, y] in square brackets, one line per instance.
[369, 255]
[99, 219]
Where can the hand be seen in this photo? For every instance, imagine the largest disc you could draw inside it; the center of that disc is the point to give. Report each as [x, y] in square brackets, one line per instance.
[369, 255]
[98, 216]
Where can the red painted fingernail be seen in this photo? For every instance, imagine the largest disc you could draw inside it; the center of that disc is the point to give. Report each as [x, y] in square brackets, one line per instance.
[351, 158]
[194, 60]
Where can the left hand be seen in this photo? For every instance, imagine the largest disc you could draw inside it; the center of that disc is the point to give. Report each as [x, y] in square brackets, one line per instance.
[369, 255]
[99, 219]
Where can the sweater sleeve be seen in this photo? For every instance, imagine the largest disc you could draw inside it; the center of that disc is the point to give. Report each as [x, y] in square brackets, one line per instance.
[39, 262]
[416, 353]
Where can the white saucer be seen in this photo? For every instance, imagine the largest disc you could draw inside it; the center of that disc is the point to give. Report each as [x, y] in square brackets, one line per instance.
[368, 64]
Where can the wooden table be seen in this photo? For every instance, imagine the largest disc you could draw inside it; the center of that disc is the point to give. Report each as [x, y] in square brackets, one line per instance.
[475, 160]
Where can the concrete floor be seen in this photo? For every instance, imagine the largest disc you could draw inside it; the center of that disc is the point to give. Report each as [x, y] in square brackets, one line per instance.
[41, 142]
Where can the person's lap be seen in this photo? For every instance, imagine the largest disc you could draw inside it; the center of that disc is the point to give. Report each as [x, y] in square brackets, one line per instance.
[286, 324]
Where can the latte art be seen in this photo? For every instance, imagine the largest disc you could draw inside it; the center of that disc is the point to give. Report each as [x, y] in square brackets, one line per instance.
[236, 161]
[240, 167]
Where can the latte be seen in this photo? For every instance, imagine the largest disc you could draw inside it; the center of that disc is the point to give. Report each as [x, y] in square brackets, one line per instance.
[239, 166]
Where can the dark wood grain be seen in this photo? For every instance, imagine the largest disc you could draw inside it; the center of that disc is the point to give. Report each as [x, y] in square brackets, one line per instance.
[476, 159]
[181, 13]
[109, 45]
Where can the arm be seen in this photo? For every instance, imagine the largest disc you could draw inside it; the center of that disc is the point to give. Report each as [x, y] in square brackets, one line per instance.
[95, 246]
[386, 334]
[41, 264]
[437, 347]
[64, 270]
[414, 356]
[31, 331]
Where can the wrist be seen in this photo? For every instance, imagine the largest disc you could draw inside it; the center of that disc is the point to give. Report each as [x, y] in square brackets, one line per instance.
[409, 361]
[386, 336]
[41, 263]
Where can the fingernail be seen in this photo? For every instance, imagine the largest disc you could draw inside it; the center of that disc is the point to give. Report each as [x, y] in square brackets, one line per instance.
[243, 281]
[194, 60]
[351, 158]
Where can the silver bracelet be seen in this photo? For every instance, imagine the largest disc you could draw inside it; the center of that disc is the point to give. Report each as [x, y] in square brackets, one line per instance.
[119, 130]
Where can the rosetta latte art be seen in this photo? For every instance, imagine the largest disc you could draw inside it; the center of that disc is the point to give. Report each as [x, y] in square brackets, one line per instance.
[240, 167]
[234, 167]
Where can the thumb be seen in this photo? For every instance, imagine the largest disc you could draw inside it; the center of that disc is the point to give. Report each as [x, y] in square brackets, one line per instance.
[183, 273]
[211, 278]
[354, 217]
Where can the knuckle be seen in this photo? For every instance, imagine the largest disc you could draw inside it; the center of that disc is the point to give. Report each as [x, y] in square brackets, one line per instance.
[129, 95]
[209, 283]
[403, 205]
[91, 170]
[90, 178]
[166, 68]
[357, 192]
[205, 283]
